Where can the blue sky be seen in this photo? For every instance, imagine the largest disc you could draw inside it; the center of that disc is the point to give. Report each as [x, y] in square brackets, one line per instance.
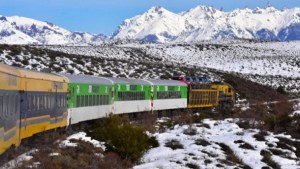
[103, 16]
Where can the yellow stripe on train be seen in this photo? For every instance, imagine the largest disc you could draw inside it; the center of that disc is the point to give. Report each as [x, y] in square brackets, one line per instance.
[30, 126]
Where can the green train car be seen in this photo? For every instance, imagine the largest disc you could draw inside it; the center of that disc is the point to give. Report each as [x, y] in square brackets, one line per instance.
[89, 98]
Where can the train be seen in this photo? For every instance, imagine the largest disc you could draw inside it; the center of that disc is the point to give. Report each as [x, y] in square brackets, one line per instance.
[32, 102]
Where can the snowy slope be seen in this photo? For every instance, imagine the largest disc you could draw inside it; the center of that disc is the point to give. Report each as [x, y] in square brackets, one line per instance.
[21, 30]
[269, 63]
[206, 23]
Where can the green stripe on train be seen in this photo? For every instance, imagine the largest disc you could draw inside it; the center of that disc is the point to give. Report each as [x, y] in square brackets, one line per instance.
[132, 90]
[84, 95]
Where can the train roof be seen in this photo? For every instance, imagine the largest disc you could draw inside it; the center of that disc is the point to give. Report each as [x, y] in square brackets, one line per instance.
[87, 79]
[26, 73]
[129, 81]
[9, 70]
[166, 82]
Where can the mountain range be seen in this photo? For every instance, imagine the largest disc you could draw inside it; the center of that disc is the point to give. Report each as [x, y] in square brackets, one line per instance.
[207, 23]
[22, 30]
[160, 25]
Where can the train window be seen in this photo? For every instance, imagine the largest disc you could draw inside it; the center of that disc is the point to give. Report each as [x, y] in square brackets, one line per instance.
[16, 103]
[48, 102]
[35, 106]
[82, 101]
[120, 96]
[168, 95]
[90, 103]
[28, 102]
[60, 101]
[94, 100]
[86, 100]
[1, 107]
[9, 105]
[51, 102]
[78, 101]
[107, 99]
[41, 101]
[45, 102]
[99, 100]
[13, 105]
[102, 100]
[64, 100]
[37, 102]
[5, 105]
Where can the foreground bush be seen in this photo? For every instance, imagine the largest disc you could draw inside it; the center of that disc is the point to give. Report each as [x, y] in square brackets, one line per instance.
[123, 138]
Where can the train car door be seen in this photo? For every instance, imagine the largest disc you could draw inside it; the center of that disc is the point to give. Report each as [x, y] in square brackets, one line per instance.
[27, 104]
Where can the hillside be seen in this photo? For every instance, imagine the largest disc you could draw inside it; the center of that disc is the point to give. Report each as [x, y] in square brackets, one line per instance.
[270, 63]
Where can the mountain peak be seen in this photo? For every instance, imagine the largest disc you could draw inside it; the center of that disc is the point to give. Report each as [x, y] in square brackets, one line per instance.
[271, 9]
[3, 18]
[157, 10]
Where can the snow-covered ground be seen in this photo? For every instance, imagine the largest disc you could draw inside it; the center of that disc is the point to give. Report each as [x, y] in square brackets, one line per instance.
[205, 147]
[209, 144]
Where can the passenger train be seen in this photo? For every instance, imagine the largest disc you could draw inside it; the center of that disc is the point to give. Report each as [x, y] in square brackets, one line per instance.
[32, 102]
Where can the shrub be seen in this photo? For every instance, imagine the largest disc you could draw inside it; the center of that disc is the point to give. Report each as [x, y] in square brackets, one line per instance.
[174, 144]
[192, 165]
[202, 142]
[190, 131]
[123, 138]
[260, 136]
[247, 146]
[267, 158]
[278, 122]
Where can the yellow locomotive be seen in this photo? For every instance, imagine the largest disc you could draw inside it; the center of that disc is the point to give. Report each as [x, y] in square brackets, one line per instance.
[204, 94]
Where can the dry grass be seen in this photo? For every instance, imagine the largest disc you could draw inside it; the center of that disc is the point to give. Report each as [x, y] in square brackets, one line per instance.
[231, 158]
[268, 160]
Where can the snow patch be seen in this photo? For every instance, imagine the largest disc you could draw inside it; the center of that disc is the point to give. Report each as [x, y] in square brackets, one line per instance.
[81, 136]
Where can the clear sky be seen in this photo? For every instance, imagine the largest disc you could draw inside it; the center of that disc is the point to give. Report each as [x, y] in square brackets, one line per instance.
[103, 16]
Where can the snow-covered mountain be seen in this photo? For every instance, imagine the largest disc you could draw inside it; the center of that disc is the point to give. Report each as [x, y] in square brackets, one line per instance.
[21, 30]
[206, 23]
